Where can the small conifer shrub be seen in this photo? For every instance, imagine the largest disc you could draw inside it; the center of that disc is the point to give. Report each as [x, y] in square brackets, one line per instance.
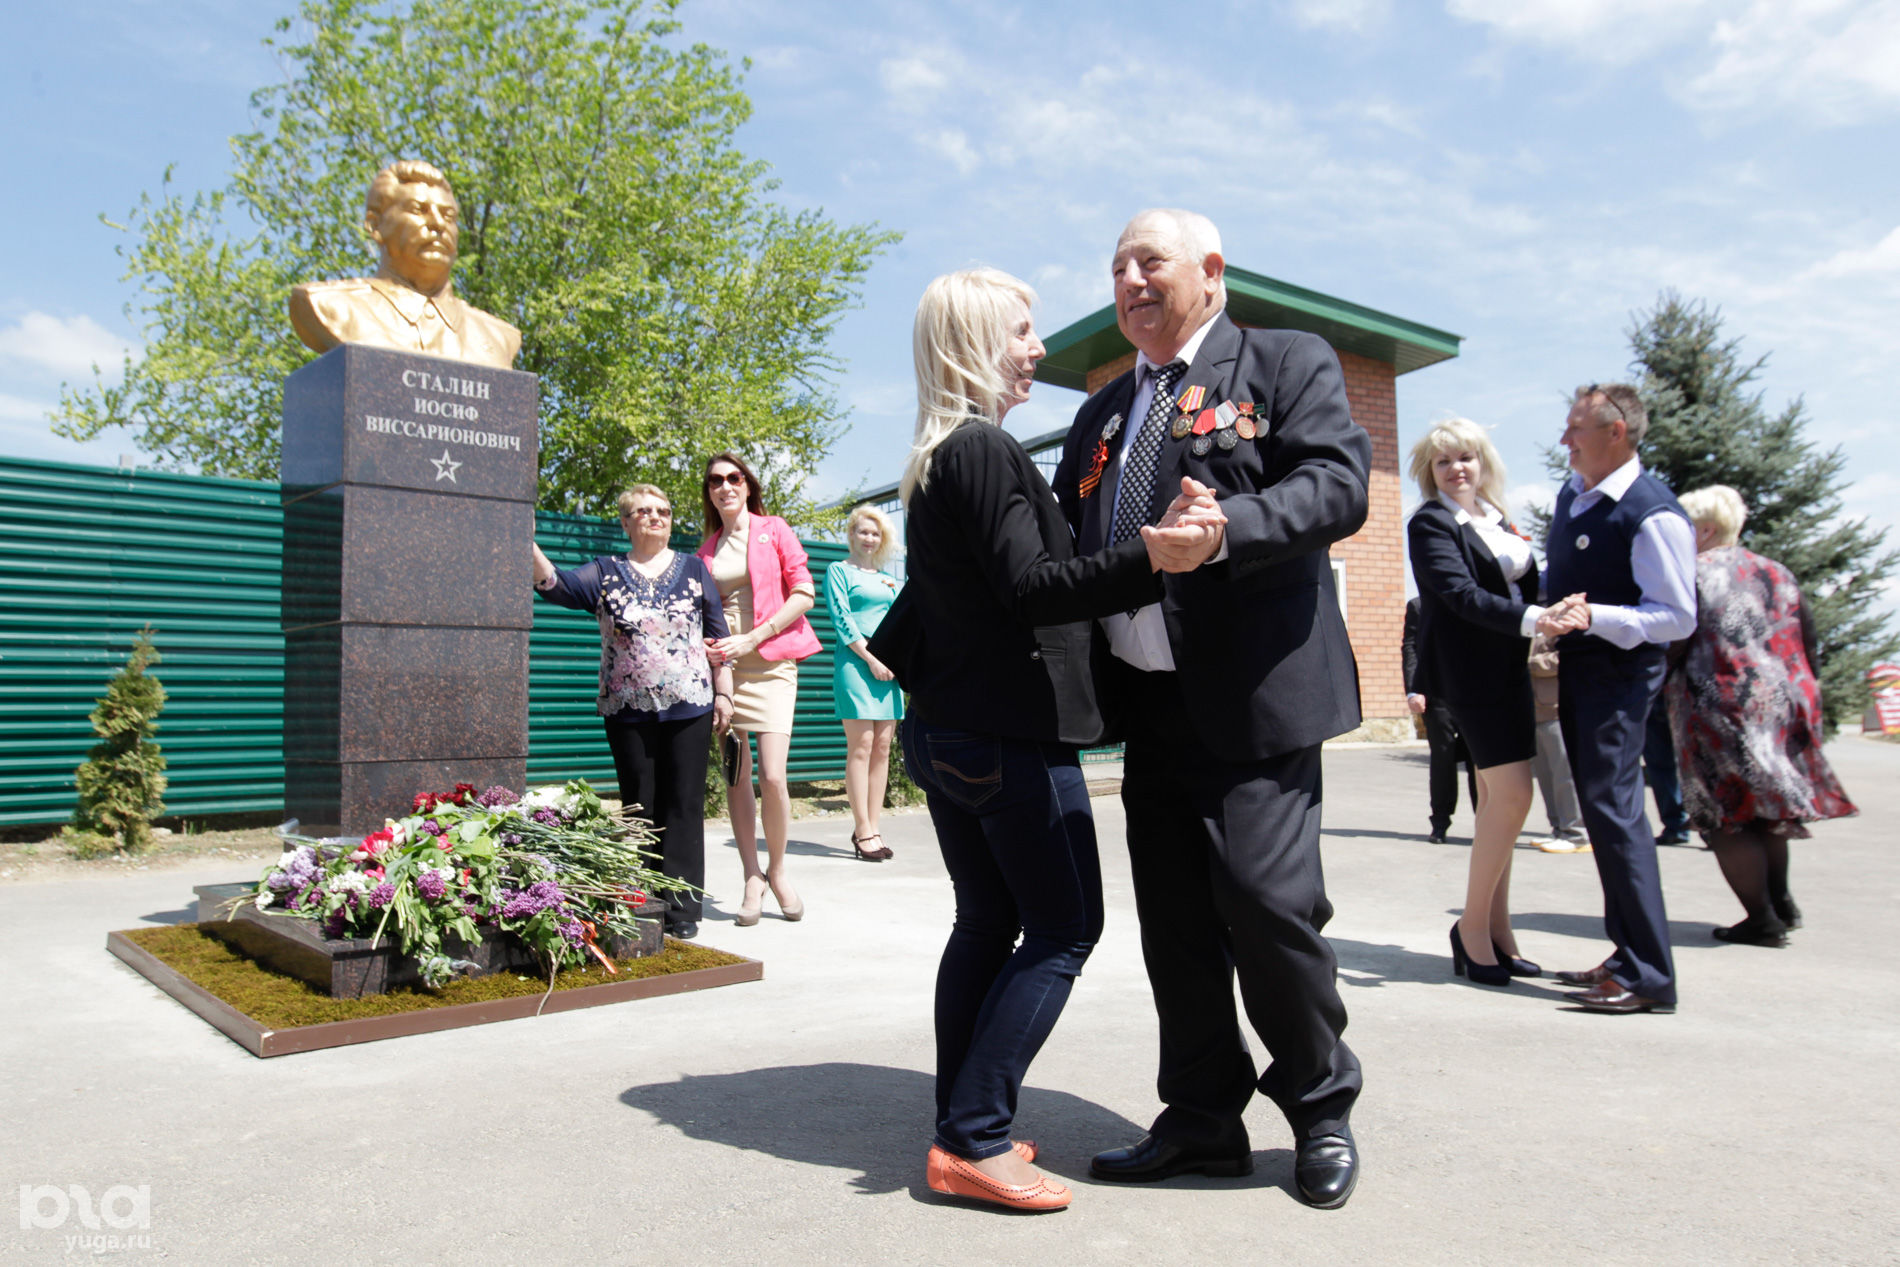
[122, 782]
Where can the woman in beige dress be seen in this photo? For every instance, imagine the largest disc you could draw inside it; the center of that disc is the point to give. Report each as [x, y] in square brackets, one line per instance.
[766, 587]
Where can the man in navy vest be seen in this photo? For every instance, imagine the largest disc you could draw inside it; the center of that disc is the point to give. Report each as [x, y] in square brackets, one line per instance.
[1624, 552]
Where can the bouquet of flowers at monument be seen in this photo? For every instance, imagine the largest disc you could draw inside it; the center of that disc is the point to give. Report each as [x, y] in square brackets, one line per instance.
[552, 868]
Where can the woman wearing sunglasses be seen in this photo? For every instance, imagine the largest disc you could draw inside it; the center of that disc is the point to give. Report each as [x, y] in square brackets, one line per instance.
[660, 697]
[766, 587]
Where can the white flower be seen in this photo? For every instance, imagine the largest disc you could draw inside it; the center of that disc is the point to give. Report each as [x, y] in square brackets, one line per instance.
[349, 882]
[264, 899]
[543, 797]
[398, 832]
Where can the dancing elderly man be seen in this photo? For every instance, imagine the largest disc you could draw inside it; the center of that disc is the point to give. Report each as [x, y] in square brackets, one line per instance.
[1226, 689]
[1622, 550]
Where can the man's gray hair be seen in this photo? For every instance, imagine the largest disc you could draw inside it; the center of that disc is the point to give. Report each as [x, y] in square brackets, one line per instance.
[1196, 233]
[1617, 402]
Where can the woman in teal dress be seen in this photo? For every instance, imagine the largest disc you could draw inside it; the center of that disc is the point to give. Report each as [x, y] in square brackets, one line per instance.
[869, 702]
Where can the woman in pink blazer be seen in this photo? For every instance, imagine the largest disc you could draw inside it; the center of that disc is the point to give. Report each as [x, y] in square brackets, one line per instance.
[766, 589]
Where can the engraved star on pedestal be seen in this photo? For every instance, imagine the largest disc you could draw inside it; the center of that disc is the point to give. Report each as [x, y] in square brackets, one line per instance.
[445, 467]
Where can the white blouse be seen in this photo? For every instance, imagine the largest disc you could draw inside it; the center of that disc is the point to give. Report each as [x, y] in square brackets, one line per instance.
[1512, 552]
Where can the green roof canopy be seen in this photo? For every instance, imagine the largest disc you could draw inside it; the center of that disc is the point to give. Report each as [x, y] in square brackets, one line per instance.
[1254, 300]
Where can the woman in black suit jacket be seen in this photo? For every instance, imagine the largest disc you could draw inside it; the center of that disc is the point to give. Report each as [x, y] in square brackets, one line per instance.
[991, 637]
[1476, 582]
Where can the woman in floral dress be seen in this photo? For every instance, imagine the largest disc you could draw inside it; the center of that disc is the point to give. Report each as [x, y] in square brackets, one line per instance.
[660, 697]
[1745, 710]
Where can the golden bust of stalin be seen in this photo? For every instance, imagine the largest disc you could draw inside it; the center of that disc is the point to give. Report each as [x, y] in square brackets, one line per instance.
[409, 304]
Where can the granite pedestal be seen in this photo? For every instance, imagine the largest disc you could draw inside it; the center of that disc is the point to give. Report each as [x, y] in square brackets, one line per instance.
[409, 484]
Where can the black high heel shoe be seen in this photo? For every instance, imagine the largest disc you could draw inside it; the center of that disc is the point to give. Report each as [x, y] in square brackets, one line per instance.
[1518, 967]
[1477, 973]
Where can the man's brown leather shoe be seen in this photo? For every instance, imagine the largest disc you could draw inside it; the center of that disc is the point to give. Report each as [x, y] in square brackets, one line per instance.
[1589, 976]
[1609, 996]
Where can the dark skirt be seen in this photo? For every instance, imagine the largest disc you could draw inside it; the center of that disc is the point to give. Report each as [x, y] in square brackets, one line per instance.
[1502, 728]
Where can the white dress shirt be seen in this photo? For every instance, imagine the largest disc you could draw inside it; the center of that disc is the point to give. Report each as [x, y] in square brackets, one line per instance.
[1142, 638]
[1512, 552]
[1662, 561]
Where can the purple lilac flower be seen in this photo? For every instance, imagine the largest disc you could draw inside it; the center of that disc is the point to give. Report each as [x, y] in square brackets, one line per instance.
[497, 796]
[382, 895]
[471, 910]
[431, 885]
[538, 897]
[432, 827]
[334, 926]
[279, 881]
[551, 817]
[571, 930]
[510, 838]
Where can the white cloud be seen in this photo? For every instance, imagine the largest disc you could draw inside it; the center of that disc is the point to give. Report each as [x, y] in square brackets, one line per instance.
[911, 80]
[62, 345]
[1357, 16]
[952, 144]
[1610, 31]
[1882, 257]
[19, 409]
[1835, 60]
[779, 57]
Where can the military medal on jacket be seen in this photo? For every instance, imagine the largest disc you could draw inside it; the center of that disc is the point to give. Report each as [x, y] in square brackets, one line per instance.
[1092, 478]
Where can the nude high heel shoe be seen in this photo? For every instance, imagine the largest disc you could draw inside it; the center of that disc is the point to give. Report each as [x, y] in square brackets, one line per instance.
[754, 899]
[794, 910]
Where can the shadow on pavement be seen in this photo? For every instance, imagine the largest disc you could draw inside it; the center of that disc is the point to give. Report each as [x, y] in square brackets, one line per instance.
[1590, 928]
[1368, 833]
[1369, 964]
[802, 848]
[183, 916]
[871, 1119]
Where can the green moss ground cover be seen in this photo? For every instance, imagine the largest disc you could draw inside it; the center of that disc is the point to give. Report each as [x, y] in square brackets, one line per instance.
[281, 1002]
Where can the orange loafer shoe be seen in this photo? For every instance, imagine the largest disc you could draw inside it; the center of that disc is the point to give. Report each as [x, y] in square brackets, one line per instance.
[1025, 1148]
[956, 1177]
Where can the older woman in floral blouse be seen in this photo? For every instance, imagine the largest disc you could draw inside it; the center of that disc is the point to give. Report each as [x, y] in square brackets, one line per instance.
[659, 696]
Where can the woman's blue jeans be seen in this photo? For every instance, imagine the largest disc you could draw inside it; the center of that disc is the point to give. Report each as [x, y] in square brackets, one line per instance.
[1013, 821]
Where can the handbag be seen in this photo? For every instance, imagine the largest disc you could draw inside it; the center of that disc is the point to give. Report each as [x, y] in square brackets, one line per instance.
[729, 757]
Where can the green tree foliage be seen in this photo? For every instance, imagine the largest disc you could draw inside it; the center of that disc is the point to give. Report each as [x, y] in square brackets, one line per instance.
[670, 308]
[1708, 424]
[122, 782]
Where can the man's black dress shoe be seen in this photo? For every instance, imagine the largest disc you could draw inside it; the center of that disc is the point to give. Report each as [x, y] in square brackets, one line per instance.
[1677, 837]
[1589, 976]
[684, 930]
[1611, 996]
[1326, 1168]
[1437, 838]
[1153, 1159]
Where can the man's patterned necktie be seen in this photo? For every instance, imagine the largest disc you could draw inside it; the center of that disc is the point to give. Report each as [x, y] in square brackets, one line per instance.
[1137, 488]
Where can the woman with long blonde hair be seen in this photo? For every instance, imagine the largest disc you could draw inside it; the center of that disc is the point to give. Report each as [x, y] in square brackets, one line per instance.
[992, 640]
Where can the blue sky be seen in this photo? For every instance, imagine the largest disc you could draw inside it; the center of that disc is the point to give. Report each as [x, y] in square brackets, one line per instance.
[1525, 173]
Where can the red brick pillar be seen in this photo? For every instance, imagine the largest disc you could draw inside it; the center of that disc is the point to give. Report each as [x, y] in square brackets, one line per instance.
[1374, 556]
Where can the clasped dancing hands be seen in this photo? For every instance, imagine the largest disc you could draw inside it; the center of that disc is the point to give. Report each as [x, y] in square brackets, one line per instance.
[1569, 615]
[1190, 533]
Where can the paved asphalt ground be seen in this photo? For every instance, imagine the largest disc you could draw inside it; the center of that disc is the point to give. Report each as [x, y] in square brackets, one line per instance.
[786, 1120]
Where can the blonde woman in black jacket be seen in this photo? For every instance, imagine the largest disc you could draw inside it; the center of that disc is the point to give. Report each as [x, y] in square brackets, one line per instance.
[1477, 593]
[991, 637]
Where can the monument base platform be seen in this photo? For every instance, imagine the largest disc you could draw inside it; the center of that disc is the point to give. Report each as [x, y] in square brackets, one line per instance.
[207, 988]
[346, 968]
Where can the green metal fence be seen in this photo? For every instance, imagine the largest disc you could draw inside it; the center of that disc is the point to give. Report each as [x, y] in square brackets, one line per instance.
[90, 555]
